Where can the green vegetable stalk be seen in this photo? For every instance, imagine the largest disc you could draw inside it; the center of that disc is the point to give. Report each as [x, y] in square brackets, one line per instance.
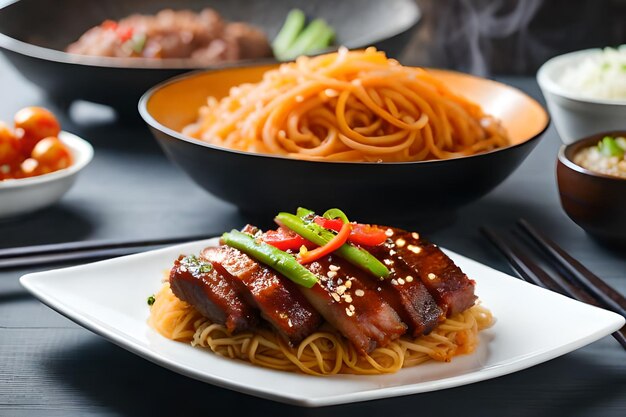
[282, 262]
[294, 23]
[296, 38]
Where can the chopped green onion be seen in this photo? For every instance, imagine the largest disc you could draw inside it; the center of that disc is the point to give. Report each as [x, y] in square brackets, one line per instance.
[151, 300]
[320, 236]
[609, 147]
[294, 23]
[195, 265]
[282, 262]
[335, 213]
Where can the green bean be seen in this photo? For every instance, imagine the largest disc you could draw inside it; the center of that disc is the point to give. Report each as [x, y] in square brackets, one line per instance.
[282, 262]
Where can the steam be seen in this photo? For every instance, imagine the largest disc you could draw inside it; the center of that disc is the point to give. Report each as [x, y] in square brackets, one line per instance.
[464, 31]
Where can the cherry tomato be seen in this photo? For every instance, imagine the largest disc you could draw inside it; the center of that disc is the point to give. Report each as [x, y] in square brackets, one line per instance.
[10, 155]
[51, 154]
[35, 123]
[29, 168]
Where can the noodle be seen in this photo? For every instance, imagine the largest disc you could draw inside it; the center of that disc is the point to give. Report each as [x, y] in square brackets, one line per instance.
[325, 352]
[348, 106]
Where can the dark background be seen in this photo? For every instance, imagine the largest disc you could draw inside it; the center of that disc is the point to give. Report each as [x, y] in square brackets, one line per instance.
[511, 36]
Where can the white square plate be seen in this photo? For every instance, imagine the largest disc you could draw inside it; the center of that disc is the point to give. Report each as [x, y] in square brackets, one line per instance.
[533, 325]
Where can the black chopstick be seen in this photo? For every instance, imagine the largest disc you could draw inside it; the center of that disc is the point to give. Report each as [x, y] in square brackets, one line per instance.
[529, 271]
[26, 251]
[600, 289]
[518, 261]
[57, 253]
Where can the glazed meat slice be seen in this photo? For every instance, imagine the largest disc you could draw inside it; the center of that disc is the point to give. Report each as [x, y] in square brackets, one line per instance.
[352, 306]
[445, 281]
[278, 299]
[199, 284]
[406, 293]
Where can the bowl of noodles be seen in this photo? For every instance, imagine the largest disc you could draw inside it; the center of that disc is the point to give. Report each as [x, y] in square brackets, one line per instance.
[351, 128]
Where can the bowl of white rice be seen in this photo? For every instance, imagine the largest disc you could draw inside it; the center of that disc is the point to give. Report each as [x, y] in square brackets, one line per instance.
[586, 91]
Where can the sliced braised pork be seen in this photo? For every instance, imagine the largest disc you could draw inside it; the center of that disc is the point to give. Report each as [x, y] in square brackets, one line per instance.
[445, 281]
[406, 293]
[351, 306]
[278, 299]
[199, 284]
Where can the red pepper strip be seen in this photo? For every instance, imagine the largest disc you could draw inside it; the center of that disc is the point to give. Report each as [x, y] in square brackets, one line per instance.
[366, 235]
[334, 244]
[362, 234]
[334, 224]
[285, 239]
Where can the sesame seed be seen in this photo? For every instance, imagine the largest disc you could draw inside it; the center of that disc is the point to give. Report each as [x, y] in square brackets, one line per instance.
[392, 252]
[388, 262]
[335, 296]
[347, 298]
[400, 242]
[400, 281]
[415, 235]
[432, 276]
[359, 293]
[394, 281]
[331, 274]
[351, 307]
[341, 289]
[388, 232]
[349, 312]
[348, 284]
[379, 289]
[333, 267]
[339, 281]
[414, 249]
[409, 278]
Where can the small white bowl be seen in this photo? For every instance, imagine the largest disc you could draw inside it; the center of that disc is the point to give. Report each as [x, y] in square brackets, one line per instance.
[574, 115]
[22, 196]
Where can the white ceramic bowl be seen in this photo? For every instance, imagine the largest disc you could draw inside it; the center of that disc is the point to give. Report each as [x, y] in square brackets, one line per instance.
[576, 116]
[22, 196]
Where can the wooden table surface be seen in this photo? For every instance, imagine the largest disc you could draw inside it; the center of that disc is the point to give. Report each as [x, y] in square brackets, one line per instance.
[50, 366]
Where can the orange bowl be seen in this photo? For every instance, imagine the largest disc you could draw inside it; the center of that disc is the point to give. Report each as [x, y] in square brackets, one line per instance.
[267, 183]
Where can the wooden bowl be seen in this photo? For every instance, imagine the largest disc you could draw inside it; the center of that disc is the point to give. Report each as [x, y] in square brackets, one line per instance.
[266, 183]
[596, 202]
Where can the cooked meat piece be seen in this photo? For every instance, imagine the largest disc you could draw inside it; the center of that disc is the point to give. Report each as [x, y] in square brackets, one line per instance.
[406, 293]
[278, 299]
[199, 284]
[251, 42]
[351, 306]
[445, 281]
[203, 37]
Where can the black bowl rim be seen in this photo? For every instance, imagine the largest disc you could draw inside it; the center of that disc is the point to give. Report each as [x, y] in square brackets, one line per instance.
[152, 122]
[562, 157]
[55, 55]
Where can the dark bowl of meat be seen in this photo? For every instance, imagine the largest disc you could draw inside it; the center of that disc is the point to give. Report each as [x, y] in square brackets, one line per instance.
[111, 52]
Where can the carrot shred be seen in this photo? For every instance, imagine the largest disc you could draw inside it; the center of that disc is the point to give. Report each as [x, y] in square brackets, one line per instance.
[334, 244]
